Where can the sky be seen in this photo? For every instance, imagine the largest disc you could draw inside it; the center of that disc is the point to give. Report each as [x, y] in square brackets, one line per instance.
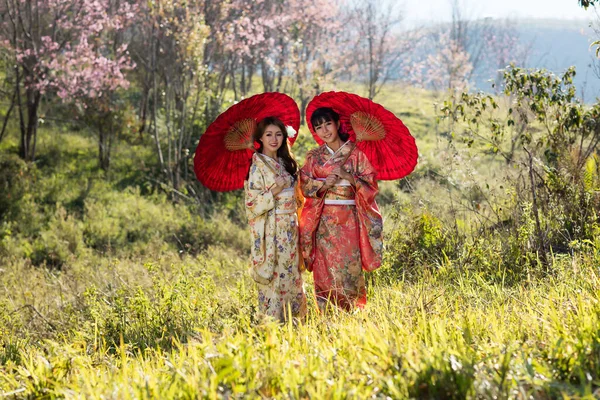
[439, 10]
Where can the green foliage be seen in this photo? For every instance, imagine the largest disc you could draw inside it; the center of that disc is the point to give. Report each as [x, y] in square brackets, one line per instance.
[166, 313]
[15, 180]
[119, 219]
[62, 240]
[171, 331]
[417, 242]
[108, 288]
[548, 139]
[444, 377]
[420, 242]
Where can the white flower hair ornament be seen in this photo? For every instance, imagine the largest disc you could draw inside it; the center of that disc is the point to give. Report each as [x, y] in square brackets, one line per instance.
[291, 132]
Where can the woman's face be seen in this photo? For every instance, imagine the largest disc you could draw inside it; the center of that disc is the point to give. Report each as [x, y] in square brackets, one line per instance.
[328, 131]
[272, 138]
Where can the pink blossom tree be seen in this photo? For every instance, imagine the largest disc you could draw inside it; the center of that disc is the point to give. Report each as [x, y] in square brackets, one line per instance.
[65, 47]
[449, 67]
[255, 36]
[315, 46]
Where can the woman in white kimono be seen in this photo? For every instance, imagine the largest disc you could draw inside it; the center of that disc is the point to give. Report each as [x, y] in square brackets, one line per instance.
[272, 204]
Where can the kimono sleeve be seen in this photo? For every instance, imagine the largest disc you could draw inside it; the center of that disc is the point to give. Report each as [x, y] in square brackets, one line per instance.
[310, 186]
[259, 198]
[365, 177]
[370, 221]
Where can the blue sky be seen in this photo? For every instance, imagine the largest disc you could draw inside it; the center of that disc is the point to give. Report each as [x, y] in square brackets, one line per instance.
[439, 10]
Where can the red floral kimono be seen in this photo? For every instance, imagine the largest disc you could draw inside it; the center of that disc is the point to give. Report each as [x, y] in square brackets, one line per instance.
[340, 230]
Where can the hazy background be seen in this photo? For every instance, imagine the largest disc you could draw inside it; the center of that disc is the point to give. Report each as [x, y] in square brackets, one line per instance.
[558, 33]
[440, 10]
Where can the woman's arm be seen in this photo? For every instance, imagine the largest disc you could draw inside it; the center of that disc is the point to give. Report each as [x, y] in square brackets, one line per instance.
[365, 178]
[259, 198]
[310, 187]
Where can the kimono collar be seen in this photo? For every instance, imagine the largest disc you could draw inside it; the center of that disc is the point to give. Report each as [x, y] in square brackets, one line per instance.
[334, 153]
[270, 158]
[277, 162]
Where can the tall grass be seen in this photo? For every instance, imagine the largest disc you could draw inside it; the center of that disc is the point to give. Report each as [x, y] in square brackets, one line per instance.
[110, 290]
[174, 333]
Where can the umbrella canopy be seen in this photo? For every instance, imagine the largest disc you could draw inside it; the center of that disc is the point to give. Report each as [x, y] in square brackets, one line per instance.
[382, 136]
[224, 152]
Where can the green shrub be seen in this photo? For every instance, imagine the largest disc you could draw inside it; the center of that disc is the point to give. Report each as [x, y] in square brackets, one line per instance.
[444, 377]
[118, 221]
[418, 242]
[15, 178]
[62, 240]
[169, 311]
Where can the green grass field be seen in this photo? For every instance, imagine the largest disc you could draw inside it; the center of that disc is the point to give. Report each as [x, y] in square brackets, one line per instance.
[109, 290]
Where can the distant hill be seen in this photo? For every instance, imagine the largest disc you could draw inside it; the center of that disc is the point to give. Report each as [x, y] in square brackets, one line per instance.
[556, 45]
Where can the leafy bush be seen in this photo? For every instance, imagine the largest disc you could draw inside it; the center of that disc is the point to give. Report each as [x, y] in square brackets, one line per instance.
[417, 242]
[168, 312]
[62, 240]
[117, 221]
[15, 177]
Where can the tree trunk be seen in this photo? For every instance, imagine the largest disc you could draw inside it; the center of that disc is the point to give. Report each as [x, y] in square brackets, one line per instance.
[104, 147]
[370, 39]
[249, 79]
[8, 112]
[29, 133]
[143, 111]
[541, 237]
[280, 65]
[243, 80]
[303, 104]
[155, 100]
[266, 77]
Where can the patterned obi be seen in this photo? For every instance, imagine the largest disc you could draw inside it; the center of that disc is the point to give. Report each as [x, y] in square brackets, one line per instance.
[285, 201]
[342, 194]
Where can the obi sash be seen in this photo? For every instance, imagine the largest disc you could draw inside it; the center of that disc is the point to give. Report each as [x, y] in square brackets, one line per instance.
[341, 194]
[285, 202]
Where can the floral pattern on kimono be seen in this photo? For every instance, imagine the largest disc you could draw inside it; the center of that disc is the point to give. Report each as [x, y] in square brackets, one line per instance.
[273, 221]
[340, 241]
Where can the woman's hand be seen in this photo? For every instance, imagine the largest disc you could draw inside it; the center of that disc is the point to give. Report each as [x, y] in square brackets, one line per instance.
[281, 181]
[330, 181]
[343, 174]
[280, 184]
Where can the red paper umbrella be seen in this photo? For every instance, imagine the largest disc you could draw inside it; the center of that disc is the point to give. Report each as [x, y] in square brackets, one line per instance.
[381, 135]
[224, 153]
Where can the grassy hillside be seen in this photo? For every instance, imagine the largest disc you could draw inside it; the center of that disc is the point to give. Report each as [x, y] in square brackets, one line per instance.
[110, 290]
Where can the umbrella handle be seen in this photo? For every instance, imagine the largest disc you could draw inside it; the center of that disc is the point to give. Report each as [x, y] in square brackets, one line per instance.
[347, 156]
[260, 155]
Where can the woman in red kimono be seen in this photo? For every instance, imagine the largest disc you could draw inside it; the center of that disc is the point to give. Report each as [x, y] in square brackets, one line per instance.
[340, 226]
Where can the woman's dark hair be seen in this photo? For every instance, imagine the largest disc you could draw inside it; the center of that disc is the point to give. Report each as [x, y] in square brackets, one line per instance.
[326, 114]
[284, 152]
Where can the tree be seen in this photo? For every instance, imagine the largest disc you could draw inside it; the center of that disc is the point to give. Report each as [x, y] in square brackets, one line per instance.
[88, 75]
[170, 38]
[448, 68]
[504, 47]
[549, 139]
[314, 48]
[58, 48]
[377, 51]
[587, 3]
[470, 49]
